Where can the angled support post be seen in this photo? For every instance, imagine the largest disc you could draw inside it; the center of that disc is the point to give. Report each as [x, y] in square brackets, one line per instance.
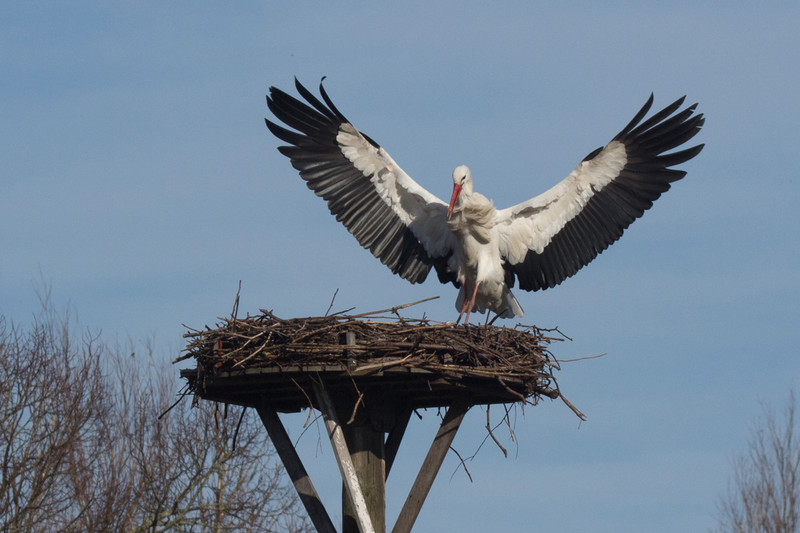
[294, 467]
[430, 467]
[362, 512]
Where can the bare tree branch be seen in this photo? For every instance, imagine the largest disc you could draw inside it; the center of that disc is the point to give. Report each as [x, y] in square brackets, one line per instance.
[764, 493]
[82, 447]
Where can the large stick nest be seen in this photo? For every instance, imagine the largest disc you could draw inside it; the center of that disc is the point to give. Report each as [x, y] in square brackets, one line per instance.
[372, 343]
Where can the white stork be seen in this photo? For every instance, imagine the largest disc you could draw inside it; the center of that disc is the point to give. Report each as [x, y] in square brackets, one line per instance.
[480, 249]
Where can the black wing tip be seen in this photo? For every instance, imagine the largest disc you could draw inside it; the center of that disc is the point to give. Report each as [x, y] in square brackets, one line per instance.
[275, 91]
[638, 124]
[300, 87]
[329, 102]
[637, 118]
[692, 152]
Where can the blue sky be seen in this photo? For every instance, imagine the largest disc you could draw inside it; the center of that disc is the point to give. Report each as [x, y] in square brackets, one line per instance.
[137, 179]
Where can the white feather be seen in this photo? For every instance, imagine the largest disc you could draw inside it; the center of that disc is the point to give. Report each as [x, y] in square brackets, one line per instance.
[531, 225]
[420, 210]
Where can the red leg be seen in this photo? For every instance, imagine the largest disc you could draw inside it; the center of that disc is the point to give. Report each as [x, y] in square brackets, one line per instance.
[465, 307]
[471, 303]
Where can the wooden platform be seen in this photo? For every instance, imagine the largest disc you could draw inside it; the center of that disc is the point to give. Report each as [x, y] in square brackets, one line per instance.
[290, 389]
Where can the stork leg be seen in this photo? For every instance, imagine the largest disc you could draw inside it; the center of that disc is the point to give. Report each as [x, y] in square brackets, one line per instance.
[469, 303]
[464, 308]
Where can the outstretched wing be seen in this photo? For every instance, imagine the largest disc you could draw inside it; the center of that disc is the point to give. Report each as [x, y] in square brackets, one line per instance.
[401, 223]
[550, 237]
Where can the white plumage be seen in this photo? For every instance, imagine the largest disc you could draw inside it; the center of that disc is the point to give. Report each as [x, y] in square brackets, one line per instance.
[480, 249]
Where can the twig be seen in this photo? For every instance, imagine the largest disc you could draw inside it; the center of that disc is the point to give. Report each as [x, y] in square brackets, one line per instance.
[332, 299]
[342, 312]
[361, 370]
[238, 425]
[489, 429]
[462, 464]
[236, 303]
[511, 391]
[355, 407]
[310, 403]
[183, 394]
[574, 409]
[183, 357]
[582, 358]
[307, 426]
[394, 309]
[507, 418]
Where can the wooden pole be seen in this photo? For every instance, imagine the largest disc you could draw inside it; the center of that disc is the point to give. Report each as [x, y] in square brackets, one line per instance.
[364, 437]
[366, 447]
[349, 473]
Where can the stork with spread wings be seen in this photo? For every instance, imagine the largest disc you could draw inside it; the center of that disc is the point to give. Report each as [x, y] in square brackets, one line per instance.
[480, 249]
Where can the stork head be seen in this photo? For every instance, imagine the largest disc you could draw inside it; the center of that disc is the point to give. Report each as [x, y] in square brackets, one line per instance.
[462, 181]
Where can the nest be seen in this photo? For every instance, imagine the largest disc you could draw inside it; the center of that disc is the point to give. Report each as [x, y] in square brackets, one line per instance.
[419, 358]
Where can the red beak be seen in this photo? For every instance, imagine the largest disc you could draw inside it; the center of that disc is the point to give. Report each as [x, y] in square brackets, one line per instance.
[456, 192]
